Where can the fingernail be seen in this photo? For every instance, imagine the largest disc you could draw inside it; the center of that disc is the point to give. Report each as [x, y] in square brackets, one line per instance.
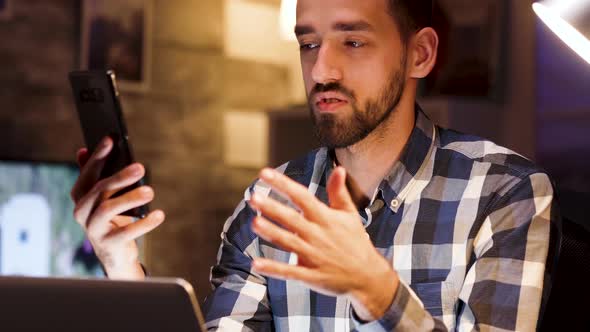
[135, 169]
[256, 198]
[158, 214]
[267, 174]
[257, 264]
[105, 142]
[260, 223]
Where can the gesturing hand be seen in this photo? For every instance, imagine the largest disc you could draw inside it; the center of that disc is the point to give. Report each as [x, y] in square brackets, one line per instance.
[335, 255]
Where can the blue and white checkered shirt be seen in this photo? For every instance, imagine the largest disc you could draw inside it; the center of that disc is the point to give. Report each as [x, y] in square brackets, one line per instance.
[464, 222]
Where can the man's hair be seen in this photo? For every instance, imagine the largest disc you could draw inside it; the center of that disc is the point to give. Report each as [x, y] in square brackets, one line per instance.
[410, 16]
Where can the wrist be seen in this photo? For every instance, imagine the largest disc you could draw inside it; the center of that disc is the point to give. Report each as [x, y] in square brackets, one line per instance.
[132, 271]
[372, 300]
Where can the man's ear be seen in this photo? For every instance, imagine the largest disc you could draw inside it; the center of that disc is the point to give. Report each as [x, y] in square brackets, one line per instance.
[423, 52]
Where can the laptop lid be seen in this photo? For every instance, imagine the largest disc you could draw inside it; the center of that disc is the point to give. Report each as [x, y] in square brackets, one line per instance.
[57, 304]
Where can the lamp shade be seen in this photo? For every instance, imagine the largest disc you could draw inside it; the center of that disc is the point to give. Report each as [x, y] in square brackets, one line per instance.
[570, 21]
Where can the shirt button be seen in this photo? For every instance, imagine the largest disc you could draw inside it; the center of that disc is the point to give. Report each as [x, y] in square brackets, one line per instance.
[394, 203]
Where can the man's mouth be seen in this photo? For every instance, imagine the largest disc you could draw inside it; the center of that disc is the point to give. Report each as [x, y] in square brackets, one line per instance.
[329, 102]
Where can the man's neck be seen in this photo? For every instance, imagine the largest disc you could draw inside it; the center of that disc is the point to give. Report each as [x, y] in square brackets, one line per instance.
[371, 159]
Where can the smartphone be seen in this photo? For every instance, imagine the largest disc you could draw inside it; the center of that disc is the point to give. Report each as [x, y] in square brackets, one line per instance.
[99, 109]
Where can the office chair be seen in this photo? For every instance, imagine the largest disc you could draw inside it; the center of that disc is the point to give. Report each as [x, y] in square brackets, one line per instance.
[567, 307]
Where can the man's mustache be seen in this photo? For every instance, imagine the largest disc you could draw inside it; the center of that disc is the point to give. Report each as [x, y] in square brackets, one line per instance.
[333, 86]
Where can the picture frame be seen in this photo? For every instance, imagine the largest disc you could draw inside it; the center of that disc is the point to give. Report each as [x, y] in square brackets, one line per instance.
[5, 9]
[117, 35]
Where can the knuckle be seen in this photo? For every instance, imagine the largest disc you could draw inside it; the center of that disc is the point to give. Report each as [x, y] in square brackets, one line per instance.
[297, 241]
[301, 223]
[104, 208]
[269, 237]
[311, 233]
[78, 215]
[101, 186]
[321, 279]
[94, 239]
[291, 240]
[91, 233]
[294, 216]
[95, 234]
[316, 202]
[120, 176]
[290, 274]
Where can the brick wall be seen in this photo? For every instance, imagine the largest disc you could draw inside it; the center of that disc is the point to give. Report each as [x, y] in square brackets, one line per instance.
[175, 126]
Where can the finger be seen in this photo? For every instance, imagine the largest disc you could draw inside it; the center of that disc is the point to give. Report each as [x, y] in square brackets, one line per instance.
[282, 238]
[99, 223]
[296, 192]
[82, 157]
[338, 194]
[284, 215]
[139, 228]
[122, 221]
[104, 189]
[284, 271]
[122, 179]
[90, 172]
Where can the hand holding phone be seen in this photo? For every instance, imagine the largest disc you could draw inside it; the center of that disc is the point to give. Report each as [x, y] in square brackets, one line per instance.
[109, 194]
[100, 113]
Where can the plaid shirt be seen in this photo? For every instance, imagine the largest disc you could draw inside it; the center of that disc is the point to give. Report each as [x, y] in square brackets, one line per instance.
[464, 222]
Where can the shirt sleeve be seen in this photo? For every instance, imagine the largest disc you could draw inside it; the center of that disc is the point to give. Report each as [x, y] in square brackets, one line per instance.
[503, 288]
[239, 300]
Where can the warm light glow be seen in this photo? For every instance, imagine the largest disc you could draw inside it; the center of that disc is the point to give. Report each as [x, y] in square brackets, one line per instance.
[572, 37]
[563, 8]
[288, 19]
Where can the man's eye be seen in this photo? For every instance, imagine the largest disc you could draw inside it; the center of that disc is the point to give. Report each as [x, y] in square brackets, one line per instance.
[354, 44]
[308, 46]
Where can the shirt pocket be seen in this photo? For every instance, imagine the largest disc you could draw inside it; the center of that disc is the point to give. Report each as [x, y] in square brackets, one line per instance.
[438, 297]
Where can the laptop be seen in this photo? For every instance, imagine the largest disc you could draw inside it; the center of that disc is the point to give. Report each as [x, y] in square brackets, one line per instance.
[68, 305]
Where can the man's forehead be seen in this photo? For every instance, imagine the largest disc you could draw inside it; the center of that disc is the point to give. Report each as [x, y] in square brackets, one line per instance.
[354, 9]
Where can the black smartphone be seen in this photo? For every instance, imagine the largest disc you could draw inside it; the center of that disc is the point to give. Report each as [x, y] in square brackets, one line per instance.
[99, 109]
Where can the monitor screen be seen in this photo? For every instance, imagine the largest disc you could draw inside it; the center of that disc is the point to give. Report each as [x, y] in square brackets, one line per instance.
[38, 233]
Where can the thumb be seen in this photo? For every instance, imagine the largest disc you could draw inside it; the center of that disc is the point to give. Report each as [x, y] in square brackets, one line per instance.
[338, 194]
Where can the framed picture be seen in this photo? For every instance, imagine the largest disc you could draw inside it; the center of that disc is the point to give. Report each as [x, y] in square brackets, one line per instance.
[117, 35]
[472, 51]
[5, 9]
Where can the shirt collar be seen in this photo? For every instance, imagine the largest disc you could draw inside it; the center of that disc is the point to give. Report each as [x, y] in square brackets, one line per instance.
[410, 171]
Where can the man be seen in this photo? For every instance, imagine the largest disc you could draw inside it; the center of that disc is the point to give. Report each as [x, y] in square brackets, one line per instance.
[454, 233]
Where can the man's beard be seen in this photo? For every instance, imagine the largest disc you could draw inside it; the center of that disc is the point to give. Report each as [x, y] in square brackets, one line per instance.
[334, 132]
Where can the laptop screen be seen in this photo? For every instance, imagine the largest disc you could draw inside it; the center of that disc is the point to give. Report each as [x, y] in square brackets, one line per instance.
[38, 233]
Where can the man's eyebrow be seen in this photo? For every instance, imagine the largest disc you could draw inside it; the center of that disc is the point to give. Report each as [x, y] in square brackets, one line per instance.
[338, 26]
[303, 30]
[352, 26]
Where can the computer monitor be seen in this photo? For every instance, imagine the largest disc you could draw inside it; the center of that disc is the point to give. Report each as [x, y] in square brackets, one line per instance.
[38, 233]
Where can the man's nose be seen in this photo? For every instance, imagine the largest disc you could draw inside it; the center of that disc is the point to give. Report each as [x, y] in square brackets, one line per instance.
[326, 68]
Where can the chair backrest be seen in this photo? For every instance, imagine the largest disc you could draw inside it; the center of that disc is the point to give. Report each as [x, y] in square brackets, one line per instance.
[567, 309]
